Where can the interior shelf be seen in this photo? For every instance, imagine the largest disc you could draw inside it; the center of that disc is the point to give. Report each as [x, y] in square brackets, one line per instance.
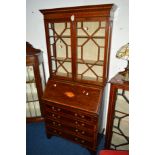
[79, 77]
[68, 75]
[99, 80]
[63, 59]
[60, 36]
[32, 101]
[31, 81]
[92, 62]
[97, 37]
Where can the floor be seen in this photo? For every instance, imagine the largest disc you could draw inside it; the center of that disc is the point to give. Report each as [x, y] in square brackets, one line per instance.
[38, 144]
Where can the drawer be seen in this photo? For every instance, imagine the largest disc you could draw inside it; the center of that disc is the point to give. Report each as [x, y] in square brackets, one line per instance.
[88, 135]
[70, 113]
[55, 131]
[69, 121]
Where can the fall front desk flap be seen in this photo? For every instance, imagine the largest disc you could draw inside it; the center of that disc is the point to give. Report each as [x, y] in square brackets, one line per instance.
[73, 95]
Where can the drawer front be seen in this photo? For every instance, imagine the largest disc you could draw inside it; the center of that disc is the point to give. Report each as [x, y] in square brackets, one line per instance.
[88, 135]
[69, 120]
[75, 125]
[70, 113]
[74, 138]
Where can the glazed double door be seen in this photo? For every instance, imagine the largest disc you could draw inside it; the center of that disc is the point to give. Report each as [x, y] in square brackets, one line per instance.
[77, 48]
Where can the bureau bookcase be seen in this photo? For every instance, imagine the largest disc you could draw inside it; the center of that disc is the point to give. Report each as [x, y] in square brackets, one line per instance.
[78, 47]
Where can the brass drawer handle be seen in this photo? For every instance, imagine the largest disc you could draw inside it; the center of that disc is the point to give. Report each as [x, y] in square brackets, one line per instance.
[59, 124]
[76, 138]
[82, 141]
[59, 116]
[53, 115]
[76, 130]
[83, 124]
[75, 114]
[60, 132]
[83, 116]
[76, 122]
[53, 123]
[59, 109]
[53, 108]
[55, 131]
[83, 132]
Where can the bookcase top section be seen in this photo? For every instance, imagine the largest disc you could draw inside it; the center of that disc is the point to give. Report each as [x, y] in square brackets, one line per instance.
[78, 42]
[91, 8]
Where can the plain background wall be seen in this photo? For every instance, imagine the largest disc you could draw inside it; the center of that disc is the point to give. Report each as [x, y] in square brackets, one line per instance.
[35, 33]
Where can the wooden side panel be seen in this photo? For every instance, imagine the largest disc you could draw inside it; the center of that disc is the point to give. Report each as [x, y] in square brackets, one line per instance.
[111, 112]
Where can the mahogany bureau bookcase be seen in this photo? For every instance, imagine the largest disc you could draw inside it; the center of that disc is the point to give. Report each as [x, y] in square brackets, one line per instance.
[78, 46]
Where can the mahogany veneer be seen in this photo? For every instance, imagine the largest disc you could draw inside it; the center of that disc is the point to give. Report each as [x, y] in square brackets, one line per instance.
[78, 46]
[74, 117]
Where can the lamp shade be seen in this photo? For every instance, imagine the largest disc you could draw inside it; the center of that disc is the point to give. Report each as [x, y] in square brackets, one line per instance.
[123, 52]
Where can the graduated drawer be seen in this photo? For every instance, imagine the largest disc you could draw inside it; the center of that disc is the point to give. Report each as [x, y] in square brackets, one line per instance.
[86, 134]
[69, 120]
[70, 113]
[74, 138]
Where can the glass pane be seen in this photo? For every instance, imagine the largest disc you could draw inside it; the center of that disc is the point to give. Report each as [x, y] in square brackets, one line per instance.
[90, 50]
[29, 73]
[32, 103]
[31, 92]
[33, 109]
[42, 75]
[120, 134]
[60, 40]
